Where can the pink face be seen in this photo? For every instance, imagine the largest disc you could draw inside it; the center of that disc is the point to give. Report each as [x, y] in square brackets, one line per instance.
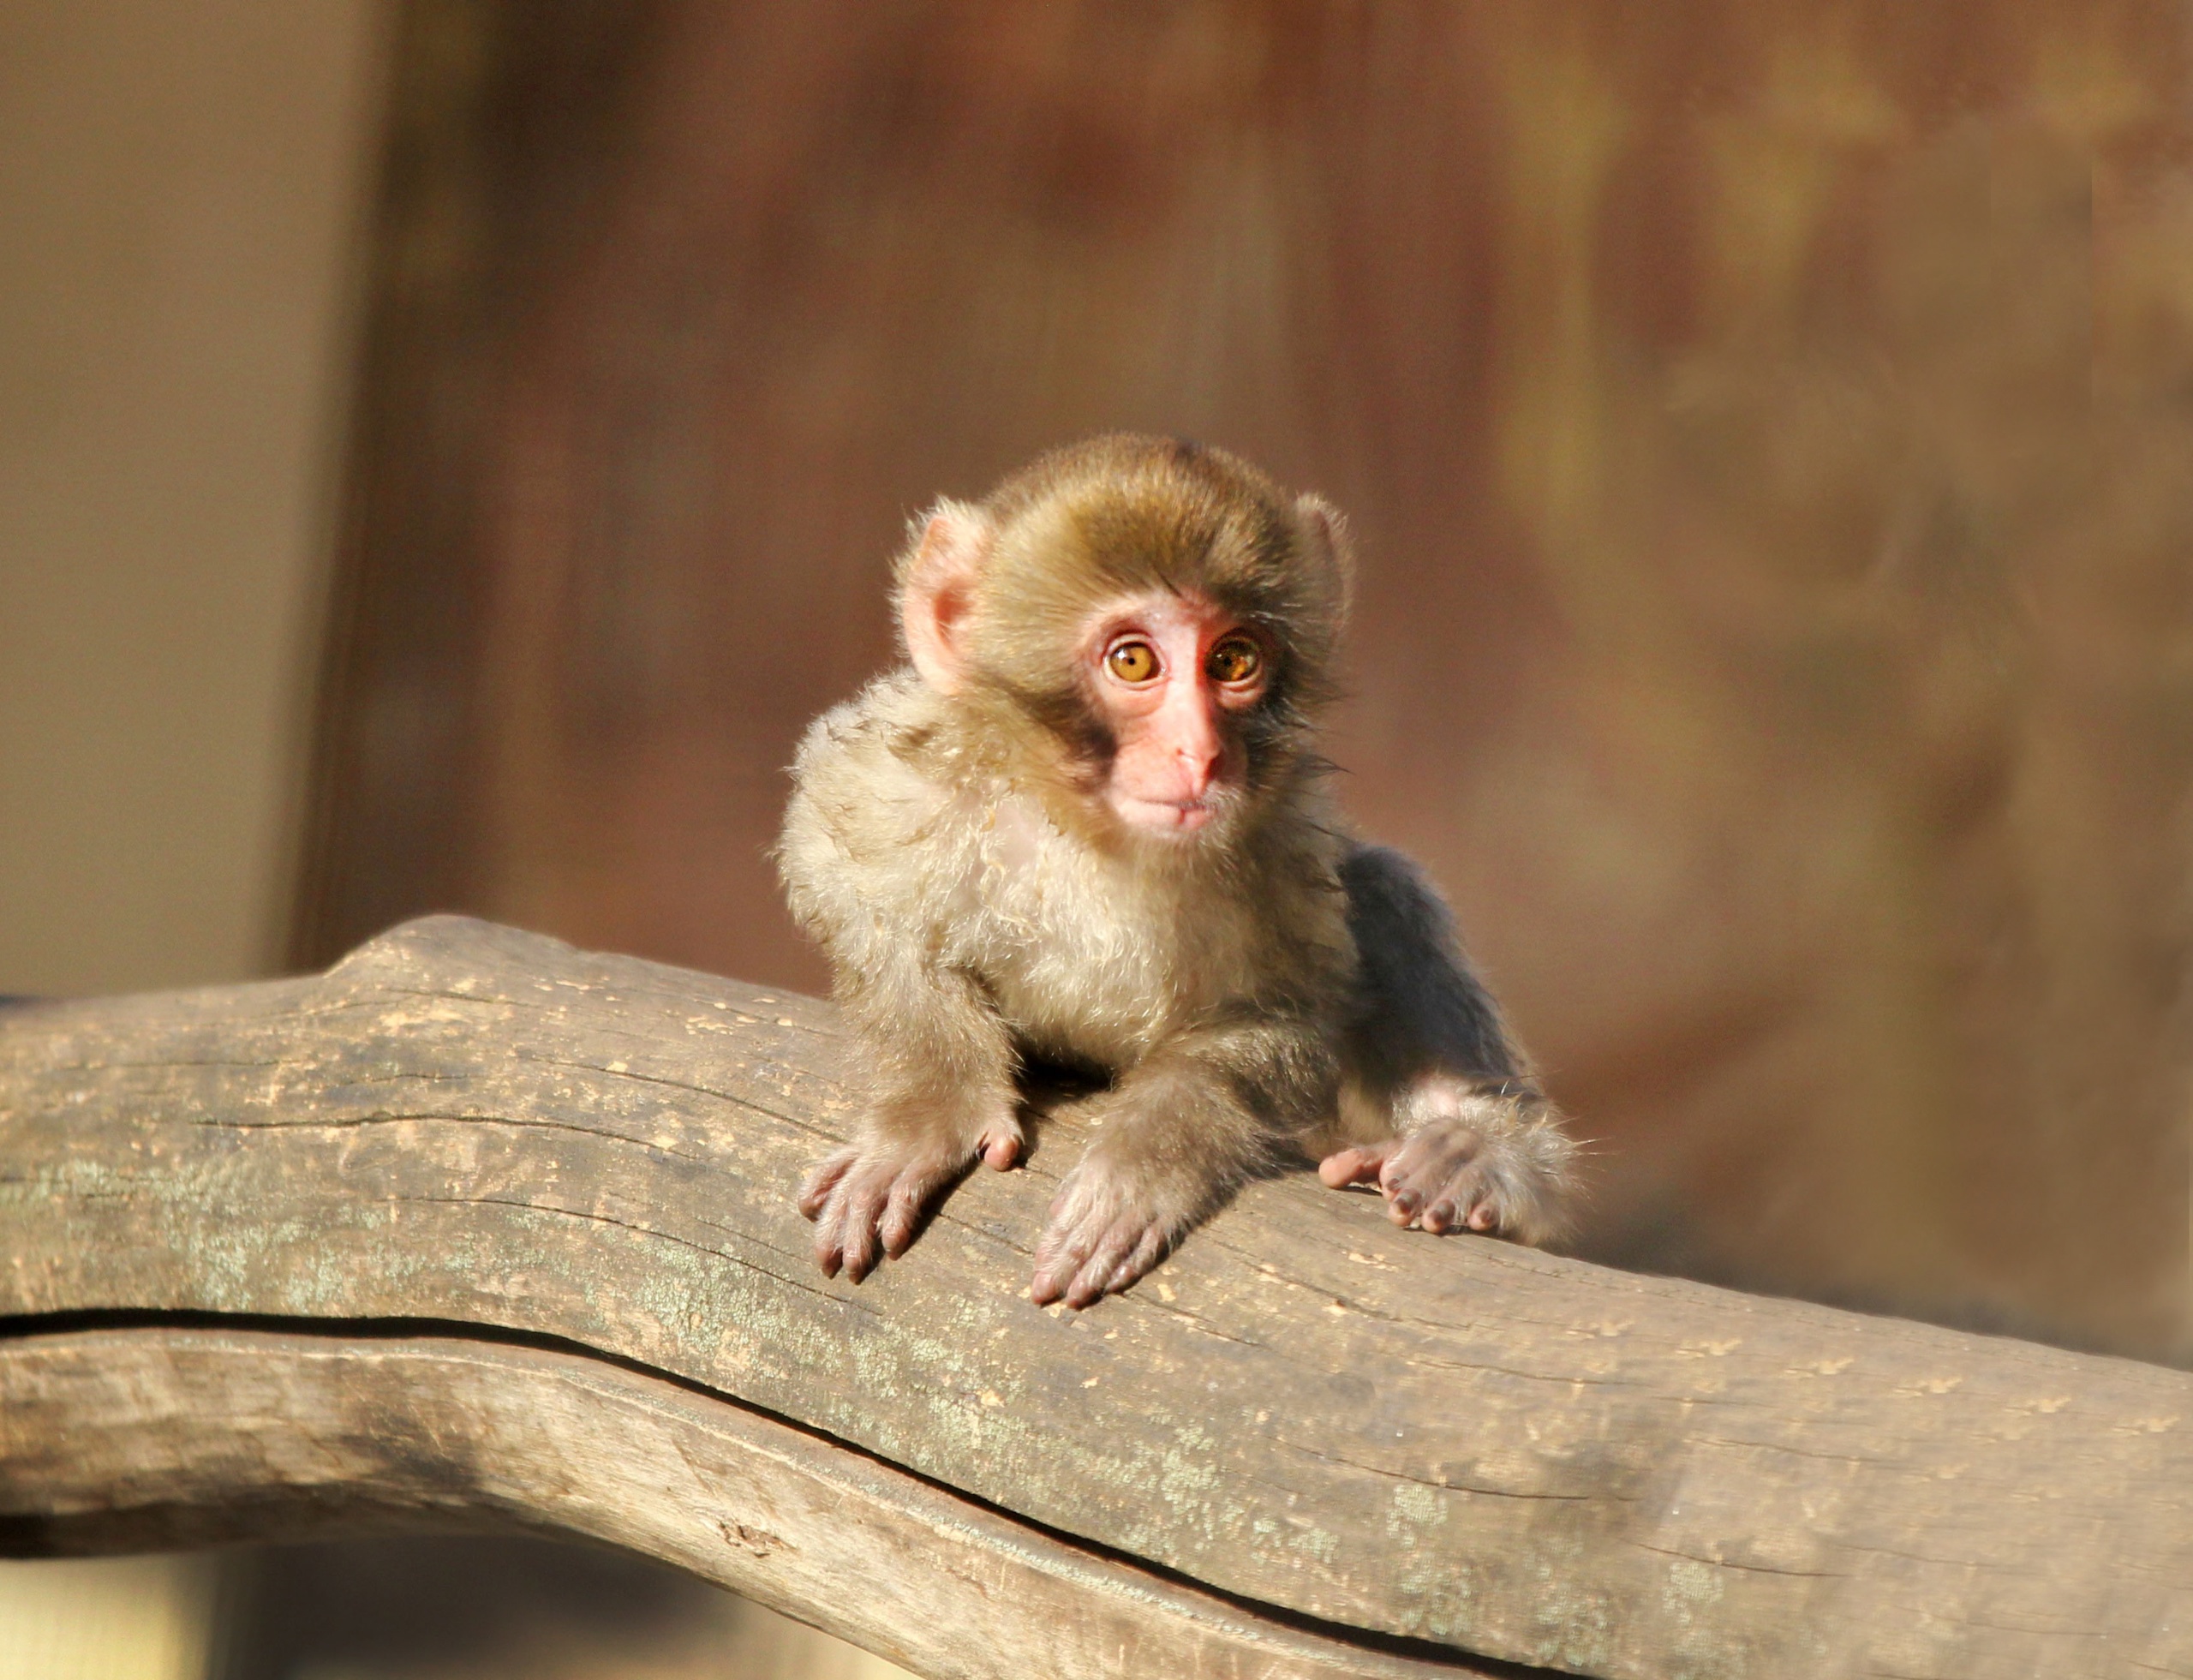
[1169, 674]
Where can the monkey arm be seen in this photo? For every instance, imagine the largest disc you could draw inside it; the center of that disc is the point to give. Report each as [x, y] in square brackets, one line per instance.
[1440, 1111]
[938, 1070]
[1419, 1008]
[1178, 1133]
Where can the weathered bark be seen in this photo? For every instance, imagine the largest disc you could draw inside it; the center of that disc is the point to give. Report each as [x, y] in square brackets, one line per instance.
[1505, 1453]
[130, 1440]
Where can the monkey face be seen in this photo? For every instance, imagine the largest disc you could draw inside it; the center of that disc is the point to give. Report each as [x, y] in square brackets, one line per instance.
[1142, 630]
[1171, 678]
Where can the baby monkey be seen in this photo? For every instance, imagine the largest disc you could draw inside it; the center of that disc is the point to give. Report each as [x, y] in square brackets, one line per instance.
[1086, 827]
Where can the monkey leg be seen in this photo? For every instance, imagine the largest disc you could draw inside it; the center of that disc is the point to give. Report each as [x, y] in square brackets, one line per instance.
[1178, 1134]
[1466, 1155]
[940, 1069]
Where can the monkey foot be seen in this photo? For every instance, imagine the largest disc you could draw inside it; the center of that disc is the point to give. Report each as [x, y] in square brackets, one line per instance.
[1450, 1176]
[1100, 1239]
[867, 1199]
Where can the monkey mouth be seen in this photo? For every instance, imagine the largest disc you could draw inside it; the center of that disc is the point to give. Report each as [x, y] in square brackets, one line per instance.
[1168, 817]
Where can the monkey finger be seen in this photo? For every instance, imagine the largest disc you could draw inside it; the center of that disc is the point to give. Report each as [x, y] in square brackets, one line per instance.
[1353, 1166]
[1053, 1269]
[829, 1250]
[1055, 1272]
[825, 1178]
[1469, 1200]
[1061, 1254]
[859, 1209]
[1000, 1148]
[858, 1246]
[1429, 1162]
[1110, 1252]
[1404, 1184]
[833, 1227]
[909, 1194]
[1147, 1253]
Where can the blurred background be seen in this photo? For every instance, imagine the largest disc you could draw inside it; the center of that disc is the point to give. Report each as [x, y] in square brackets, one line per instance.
[449, 449]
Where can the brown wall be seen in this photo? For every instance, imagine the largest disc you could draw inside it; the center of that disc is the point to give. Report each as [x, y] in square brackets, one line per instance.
[1766, 428]
[181, 190]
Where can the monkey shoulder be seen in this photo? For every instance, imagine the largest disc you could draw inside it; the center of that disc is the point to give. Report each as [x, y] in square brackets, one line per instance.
[874, 834]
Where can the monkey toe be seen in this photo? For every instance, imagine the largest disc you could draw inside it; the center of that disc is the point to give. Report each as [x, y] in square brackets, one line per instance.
[829, 1241]
[848, 1227]
[1000, 1148]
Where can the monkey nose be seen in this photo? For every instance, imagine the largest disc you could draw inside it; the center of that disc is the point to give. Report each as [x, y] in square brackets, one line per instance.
[1199, 761]
[1197, 747]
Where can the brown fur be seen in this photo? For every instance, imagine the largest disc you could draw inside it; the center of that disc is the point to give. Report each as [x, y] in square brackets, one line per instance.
[1268, 986]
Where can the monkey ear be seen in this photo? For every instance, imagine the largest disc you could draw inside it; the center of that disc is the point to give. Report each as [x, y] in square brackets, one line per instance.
[1327, 531]
[937, 576]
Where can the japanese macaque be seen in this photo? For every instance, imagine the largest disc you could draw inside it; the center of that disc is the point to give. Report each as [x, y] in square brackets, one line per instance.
[1085, 826]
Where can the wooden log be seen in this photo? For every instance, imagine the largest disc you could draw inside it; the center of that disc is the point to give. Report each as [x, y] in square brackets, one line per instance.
[136, 1439]
[1500, 1452]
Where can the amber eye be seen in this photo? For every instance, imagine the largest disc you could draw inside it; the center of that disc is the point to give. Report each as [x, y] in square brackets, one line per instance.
[1132, 661]
[1236, 660]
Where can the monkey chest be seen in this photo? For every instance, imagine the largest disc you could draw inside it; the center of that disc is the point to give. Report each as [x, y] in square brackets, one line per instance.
[1093, 968]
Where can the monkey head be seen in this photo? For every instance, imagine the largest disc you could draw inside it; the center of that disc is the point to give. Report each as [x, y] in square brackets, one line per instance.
[1151, 625]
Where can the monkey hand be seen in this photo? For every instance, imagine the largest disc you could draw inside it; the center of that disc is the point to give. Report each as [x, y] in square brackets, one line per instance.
[870, 1195]
[1106, 1230]
[1493, 1163]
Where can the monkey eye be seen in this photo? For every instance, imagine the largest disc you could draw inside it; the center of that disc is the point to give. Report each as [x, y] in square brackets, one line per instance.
[1236, 660]
[1132, 661]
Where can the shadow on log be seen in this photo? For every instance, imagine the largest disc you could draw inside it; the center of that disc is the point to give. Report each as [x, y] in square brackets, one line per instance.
[478, 1229]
